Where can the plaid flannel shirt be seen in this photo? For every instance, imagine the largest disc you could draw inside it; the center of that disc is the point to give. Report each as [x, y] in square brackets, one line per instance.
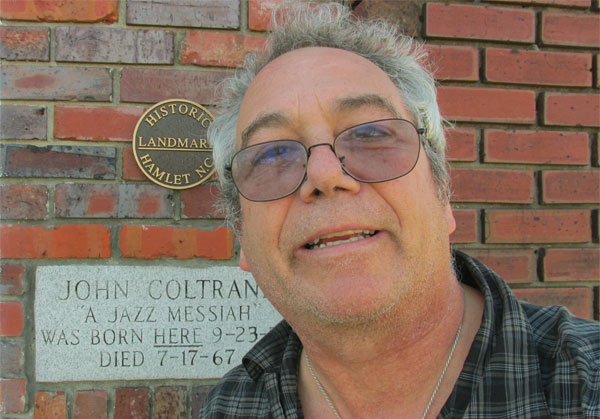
[526, 362]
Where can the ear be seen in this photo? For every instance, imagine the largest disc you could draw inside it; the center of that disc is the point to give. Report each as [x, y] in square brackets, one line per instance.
[243, 262]
[450, 219]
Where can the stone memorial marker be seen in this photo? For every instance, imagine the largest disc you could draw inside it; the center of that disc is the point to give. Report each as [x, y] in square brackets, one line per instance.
[95, 323]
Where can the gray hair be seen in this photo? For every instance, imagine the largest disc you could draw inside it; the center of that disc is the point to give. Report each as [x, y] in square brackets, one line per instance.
[332, 25]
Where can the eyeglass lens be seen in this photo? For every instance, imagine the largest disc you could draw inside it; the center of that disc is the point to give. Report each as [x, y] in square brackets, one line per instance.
[372, 152]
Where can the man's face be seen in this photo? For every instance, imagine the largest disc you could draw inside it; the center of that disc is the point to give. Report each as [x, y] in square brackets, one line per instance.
[311, 95]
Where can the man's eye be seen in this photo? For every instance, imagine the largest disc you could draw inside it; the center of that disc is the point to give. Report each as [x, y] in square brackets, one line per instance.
[370, 131]
[272, 155]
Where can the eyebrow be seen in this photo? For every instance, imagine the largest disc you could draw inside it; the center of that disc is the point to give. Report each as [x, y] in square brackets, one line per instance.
[269, 120]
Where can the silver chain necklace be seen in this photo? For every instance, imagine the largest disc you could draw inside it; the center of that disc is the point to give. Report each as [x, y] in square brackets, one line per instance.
[435, 390]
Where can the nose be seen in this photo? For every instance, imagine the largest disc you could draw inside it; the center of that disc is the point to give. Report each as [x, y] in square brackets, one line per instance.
[324, 174]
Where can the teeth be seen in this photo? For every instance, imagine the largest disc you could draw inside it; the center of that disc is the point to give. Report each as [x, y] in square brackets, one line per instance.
[363, 235]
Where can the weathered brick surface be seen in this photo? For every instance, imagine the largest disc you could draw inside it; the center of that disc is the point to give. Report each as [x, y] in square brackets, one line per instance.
[537, 226]
[577, 300]
[568, 3]
[60, 11]
[132, 403]
[55, 83]
[50, 405]
[58, 161]
[12, 278]
[451, 62]
[169, 402]
[571, 187]
[536, 147]
[572, 109]
[154, 85]
[260, 12]
[538, 67]
[24, 43]
[513, 265]
[199, 393]
[492, 185]
[461, 144]
[24, 202]
[65, 241]
[205, 14]
[11, 359]
[11, 318]
[114, 45]
[20, 122]
[12, 394]
[573, 29]
[466, 226]
[405, 14]
[90, 405]
[109, 201]
[201, 202]
[153, 242]
[131, 170]
[96, 123]
[487, 105]
[478, 22]
[218, 48]
[572, 265]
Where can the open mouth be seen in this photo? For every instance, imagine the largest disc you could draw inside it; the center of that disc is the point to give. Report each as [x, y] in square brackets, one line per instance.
[341, 237]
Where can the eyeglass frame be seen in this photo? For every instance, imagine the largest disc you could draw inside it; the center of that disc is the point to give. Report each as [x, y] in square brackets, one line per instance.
[420, 132]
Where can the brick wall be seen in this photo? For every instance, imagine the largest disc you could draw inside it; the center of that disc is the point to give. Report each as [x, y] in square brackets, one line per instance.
[518, 77]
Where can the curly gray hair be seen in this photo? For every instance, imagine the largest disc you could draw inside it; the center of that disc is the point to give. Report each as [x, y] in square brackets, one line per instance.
[332, 25]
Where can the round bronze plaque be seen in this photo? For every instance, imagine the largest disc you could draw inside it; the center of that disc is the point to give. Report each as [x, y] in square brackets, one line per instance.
[170, 145]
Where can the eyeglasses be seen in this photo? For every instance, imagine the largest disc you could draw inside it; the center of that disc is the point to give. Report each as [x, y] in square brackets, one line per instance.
[372, 152]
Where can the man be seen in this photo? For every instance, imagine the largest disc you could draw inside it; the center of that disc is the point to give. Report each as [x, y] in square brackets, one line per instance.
[330, 152]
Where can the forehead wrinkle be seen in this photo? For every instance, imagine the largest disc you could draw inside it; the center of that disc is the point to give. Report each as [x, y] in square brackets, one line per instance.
[353, 103]
[269, 120]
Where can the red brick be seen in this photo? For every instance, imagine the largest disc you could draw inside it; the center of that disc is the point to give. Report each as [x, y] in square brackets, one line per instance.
[132, 403]
[572, 109]
[11, 359]
[450, 62]
[114, 45]
[538, 67]
[581, 187]
[55, 83]
[11, 318]
[81, 200]
[572, 29]
[492, 185]
[405, 14]
[50, 405]
[513, 265]
[65, 241]
[154, 85]
[23, 202]
[461, 144]
[131, 170]
[572, 265]
[201, 202]
[218, 48]
[90, 405]
[466, 226]
[487, 105]
[577, 300]
[22, 122]
[12, 278]
[568, 3]
[12, 396]
[58, 161]
[260, 12]
[199, 393]
[24, 43]
[537, 226]
[477, 22]
[60, 11]
[196, 14]
[169, 402]
[152, 242]
[96, 123]
[536, 147]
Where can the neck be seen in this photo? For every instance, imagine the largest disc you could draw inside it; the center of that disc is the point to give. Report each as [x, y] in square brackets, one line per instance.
[367, 369]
